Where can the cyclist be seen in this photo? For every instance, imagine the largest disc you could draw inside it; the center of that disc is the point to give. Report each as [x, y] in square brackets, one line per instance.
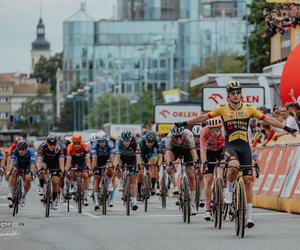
[127, 154]
[9, 163]
[235, 116]
[102, 151]
[212, 143]
[51, 155]
[196, 132]
[180, 143]
[150, 152]
[2, 162]
[78, 155]
[23, 161]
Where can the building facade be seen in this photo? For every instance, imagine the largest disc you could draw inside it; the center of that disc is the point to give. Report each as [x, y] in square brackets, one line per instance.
[40, 47]
[154, 43]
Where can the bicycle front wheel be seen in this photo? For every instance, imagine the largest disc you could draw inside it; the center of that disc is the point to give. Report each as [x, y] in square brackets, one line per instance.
[79, 196]
[187, 200]
[219, 202]
[163, 192]
[48, 198]
[104, 198]
[242, 209]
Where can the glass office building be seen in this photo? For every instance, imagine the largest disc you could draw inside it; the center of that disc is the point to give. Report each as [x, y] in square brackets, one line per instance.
[155, 48]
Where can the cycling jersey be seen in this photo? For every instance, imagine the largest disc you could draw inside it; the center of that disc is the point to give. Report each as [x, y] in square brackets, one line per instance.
[103, 153]
[236, 121]
[78, 156]
[11, 149]
[146, 152]
[127, 155]
[23, 162]
[1, 155]
[51, 158]
[188, 141]
[209, 142]
[184, 149]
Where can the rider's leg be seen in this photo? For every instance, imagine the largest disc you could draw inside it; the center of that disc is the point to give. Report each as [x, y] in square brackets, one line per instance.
[208, 179]
[85, 177]
[133, 189]
[171, 170]
[27, 184]
[55, 185]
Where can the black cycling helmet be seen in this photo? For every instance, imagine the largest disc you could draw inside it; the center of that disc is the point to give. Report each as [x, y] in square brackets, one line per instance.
[233, 85]
[51, 139]
[126, 135]
[150, 136]
[22, 144]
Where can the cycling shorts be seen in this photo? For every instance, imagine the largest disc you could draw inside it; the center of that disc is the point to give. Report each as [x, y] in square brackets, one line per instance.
[213, 156]
[241, 152]
[129, 160]
[185, 153]
[150, 155]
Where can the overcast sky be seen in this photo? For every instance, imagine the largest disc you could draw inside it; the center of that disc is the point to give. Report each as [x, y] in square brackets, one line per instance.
[18, 21]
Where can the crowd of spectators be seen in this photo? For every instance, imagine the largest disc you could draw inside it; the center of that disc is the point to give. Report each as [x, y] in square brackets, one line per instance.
[282, 18]
[262, 133]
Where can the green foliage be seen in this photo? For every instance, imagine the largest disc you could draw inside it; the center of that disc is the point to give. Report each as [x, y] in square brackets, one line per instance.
[259, 42]
[228, 63]
[31, 108]
[45, 70]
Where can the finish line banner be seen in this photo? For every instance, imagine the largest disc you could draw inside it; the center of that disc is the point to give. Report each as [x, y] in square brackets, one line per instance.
[284, 1]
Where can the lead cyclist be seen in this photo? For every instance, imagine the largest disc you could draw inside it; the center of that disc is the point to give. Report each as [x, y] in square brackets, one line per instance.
[237, 151]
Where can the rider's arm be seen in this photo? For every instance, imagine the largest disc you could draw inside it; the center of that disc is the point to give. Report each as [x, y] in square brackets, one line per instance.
[68, 163]
[199, 119]
[160, 159]
[194, 154]
[116, 160]
[39, 162]
[88, 161]
[203, 145]
[273, 122]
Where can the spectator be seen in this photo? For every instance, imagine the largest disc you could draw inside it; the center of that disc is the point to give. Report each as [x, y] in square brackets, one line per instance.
[288, 120]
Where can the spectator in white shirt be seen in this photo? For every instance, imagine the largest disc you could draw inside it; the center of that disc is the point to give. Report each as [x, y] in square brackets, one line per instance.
[288, 120]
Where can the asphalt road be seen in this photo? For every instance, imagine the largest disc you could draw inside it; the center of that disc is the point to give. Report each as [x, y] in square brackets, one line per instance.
[157, 229]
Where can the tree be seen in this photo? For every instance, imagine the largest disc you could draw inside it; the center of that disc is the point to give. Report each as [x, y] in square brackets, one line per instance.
[45, 70]
[33, 118]
[228, 63]
[259, 41]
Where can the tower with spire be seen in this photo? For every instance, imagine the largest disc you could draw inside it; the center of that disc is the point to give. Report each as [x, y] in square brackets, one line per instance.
[39, 47]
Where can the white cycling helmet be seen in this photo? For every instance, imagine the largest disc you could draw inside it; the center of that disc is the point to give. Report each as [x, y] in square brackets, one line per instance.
[196, 130]
[93, 137]
[214, 122]
[175, 131]
[101, 135]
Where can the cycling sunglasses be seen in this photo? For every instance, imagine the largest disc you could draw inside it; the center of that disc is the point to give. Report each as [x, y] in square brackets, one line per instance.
[178, 136]
[52, 144]
[101, 141]
[22, 149]
[150, 141]
[215, 129]
[77, 143]
[235, 92]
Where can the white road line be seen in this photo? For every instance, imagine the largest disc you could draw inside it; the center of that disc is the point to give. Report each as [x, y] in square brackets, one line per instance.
[4, 205]
[91, 215]
[3, 196]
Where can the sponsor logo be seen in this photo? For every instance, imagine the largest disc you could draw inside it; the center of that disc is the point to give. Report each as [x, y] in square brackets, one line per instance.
[215, 96]
[164, 113]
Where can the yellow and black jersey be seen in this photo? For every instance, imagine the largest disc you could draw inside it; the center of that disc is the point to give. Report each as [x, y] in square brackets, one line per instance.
[236, 121]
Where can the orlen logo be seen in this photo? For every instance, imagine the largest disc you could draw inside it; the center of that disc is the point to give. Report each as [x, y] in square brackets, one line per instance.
[164, 113]
[216, 96]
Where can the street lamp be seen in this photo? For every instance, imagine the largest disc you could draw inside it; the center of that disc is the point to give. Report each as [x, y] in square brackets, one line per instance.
[119, 87]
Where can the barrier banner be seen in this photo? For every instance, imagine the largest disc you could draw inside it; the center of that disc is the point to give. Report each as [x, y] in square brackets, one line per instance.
[291, 188]
[273, 160]
[280, 173]
[262, 157]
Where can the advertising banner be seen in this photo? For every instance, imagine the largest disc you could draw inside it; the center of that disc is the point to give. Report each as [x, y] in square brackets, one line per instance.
[215, 96]
[275, 48]
[175, 113]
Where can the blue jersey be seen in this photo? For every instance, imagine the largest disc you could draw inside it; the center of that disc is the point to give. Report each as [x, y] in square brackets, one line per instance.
[24, 161]
[103, 153]
[108, 150]
[1, 155]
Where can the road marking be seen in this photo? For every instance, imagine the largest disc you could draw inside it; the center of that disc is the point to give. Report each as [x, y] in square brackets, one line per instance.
[4, 205]
[91, 215]
[3, 197]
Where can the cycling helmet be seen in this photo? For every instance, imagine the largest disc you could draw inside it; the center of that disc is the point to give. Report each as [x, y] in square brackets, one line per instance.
[22, 144]
[175, 131]
[101, 136]
[196, 130]
[92, 137]
[126, 135]
[214, 123]
[150, 136]
[51, 139]
[67, 140]
[233, 85]
[76, 138]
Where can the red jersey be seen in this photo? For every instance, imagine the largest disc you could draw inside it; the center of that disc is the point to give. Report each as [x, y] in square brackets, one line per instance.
[210, 142]
[11, 149]
[82, 151]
